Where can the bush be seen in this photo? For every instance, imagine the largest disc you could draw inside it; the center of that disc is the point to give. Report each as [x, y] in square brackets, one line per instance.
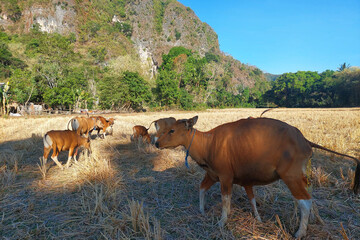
[212, 57]
[177, 34]
[124, 28]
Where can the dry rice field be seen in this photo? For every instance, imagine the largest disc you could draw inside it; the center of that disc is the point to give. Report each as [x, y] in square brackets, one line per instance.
[131, 190]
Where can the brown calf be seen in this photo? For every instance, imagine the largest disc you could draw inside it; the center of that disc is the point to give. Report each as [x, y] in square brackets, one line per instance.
[85, 125]
[249, 152]
[141, 131]
[104, 124]
[63, 140]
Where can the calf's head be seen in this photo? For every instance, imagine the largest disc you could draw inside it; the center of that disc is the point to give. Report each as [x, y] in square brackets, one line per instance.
[177, 134]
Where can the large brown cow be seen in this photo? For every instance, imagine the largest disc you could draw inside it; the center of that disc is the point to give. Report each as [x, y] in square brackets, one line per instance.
[105, 124]
[84, 125]
[161, 126]
[141, 131]
[63, 140]
[249, 152]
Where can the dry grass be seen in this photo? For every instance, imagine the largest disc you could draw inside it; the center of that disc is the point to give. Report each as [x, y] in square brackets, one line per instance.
[131, 190]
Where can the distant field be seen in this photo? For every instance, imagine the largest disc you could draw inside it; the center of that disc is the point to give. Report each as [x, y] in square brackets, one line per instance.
[130, 190]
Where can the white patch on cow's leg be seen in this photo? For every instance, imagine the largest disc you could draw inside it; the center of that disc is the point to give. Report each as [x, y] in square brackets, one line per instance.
[305, 206]
[253, 205]
[68, 162]
[155, 139]
[55, 159]
[226, 199]
[202, 200]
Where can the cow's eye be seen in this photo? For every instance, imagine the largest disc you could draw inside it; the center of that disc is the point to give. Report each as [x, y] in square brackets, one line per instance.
[171, 131]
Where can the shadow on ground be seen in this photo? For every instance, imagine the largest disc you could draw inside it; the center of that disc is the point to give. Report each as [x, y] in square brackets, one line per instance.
[169, 194]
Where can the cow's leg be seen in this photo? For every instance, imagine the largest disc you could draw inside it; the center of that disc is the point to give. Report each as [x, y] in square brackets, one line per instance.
[104, 131]
[206, 183]
[298, 190]
[46, 152]
[226, 188]
[54, 157]
[75, 154]
[71, 153]
[250, 194]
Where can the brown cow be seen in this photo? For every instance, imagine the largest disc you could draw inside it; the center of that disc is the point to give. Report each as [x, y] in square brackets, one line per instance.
[161, 126]
[104, 124]
[141, 131]
[63, 140]
[85, 125]
[249, 152]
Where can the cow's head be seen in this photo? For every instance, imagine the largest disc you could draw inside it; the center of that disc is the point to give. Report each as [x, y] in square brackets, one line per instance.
[162, 126]
[98, 123]
[86, 143]
[111, 121]
[160, 133]
[177, 134]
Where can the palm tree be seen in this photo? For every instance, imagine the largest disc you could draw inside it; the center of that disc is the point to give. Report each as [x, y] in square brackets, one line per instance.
[343, 66]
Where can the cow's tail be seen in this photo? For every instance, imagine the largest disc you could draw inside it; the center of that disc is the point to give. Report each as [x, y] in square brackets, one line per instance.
[68, 124]
[150, 125]
[356, 187]
[266, 111]
[47, 141]
[75, 124]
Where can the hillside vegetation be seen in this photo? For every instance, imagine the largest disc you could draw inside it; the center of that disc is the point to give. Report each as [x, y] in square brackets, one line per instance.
[135, 55]
[73, 54]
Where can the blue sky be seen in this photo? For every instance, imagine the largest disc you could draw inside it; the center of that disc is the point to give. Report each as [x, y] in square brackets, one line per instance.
[281, 36]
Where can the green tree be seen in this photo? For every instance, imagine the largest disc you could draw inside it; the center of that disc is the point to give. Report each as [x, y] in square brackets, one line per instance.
[23, 87]
[70, 91]
[127, 91]
[138, 89]
[8, 62]
[167, 90]
[348, 87]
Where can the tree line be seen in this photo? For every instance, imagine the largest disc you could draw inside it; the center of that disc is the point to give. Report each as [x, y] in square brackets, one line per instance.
[45, 68]
[310, 89]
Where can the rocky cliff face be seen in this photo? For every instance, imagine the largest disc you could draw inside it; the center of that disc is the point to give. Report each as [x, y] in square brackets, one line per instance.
[51, 17]
[180, 27]
[157, 26]
[58, 20]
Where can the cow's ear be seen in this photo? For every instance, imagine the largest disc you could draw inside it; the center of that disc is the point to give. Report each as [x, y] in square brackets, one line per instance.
[191, 122]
